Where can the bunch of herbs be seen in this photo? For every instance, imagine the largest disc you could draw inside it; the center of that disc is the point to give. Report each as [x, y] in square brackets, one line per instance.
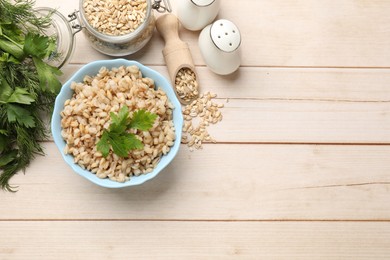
[28, 85]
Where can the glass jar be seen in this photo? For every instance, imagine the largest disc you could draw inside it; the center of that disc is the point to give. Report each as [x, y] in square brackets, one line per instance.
[63, 33]
[126, 44]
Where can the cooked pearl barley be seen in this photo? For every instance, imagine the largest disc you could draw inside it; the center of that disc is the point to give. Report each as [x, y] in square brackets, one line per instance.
[82, 128]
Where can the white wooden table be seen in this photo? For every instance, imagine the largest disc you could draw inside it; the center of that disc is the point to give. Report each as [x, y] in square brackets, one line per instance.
[300, 170]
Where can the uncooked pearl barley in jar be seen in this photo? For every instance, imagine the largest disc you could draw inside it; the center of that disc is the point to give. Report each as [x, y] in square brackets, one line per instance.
[119, 27]
[194, 15]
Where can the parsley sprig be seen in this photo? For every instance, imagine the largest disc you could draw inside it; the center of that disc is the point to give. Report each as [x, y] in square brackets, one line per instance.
[119, 138]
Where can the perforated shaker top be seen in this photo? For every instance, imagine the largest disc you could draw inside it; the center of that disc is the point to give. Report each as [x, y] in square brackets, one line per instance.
[225, 35]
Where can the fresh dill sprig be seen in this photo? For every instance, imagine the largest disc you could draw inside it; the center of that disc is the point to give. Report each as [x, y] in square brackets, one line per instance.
[19, 14]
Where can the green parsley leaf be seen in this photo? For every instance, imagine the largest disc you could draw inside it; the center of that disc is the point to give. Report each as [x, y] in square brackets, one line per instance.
[16, 113]
[142, 120]
[11, 31]
[5, 90]
[103, 145]
[119, 122]
[122, 144]
[47, 76]
[118, 143]
[21, 96]
[132, 141]
[36, 45]
[118, 137]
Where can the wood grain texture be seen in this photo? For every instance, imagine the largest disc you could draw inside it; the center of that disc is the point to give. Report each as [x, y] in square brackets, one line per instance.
[271, 182]
[300, 170]
[290, 106]
[303, 122]
[289, 84]
[194, 240]
[307, 33]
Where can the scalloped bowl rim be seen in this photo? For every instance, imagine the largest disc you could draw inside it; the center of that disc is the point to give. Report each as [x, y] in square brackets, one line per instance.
[92, 69]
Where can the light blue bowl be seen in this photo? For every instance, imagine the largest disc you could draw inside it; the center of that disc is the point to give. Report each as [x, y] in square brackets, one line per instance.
[92, 69]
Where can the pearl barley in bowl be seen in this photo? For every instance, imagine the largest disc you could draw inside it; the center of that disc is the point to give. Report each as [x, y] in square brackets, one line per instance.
[117, 123]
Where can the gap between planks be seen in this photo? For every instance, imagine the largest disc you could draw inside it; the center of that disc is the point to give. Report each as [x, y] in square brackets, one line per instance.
[280, 143]
[196, 220]
[301, 99]
[265, 66]
[306, 67]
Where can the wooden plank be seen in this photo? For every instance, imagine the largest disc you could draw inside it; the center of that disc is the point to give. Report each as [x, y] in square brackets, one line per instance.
[194, 240]
[261, 193]
[363, 85]
[234, 182]
[299, 106]
[303, 122]
[333, 33]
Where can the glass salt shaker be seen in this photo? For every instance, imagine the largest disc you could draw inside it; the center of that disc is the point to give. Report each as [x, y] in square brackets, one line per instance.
[120, 41]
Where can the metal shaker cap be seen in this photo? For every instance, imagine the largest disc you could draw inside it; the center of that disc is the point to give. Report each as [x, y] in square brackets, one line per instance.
[225, 35]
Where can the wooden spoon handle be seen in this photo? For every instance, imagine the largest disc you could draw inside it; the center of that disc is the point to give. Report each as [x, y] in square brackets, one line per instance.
[168, 26]
[176, 52]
